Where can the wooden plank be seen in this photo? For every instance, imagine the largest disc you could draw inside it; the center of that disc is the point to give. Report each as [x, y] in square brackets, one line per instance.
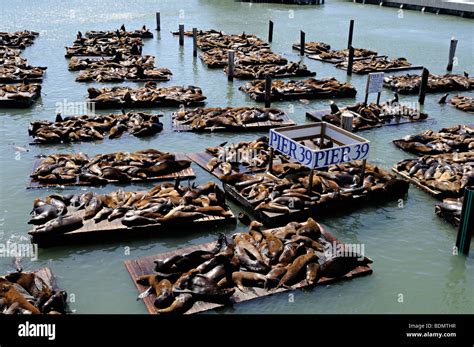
[177, 126]
[395, 69]
[145, 265]
[317, 116]
[185, 174]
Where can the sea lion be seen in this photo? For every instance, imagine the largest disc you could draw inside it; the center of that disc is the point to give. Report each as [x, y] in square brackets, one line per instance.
[294, 270]
[61, 225]
[312, 270]
[340, 266]
[244, 279]
[11, 296]
[310, 229]
[273, 246]
[244, 218]
[181, 304]
[57, 303]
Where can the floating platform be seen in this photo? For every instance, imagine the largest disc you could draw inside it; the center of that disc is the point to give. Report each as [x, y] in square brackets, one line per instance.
[185, 174]
[20, 99]
[257, 126]
[92, 232]
[145, 265]
[367, 70]
[318, 115]
[435, 193]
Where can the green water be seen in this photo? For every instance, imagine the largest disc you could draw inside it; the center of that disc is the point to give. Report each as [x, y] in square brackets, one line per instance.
[410, 246]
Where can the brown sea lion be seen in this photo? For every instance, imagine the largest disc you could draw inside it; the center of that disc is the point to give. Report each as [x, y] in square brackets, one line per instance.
[312, 270]
[340, 266]
[294, 270]
[11, 296]
[244, 279]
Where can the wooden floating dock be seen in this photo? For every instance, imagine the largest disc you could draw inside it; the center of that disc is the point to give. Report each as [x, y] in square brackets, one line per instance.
[330, 207]
[394, 69]
[144, 104]
[257, 126]
[92, 232]
[340, 60]
[145, 266]
[23, 102]
[317, 116]
[184, 174]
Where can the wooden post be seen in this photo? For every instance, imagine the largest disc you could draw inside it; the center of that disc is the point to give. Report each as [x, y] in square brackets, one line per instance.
[378, 98]
[346, 121]
[270, 160]
[181, 34]
[310, 181]
[270, 31]
[302, 43]
[230, 64]
[195, 51]
[362, 175]
[452, 52]
[466, 225]
[158, 22]
[322, 2]
[351, 31]
[350, 61]
[268, 90]
[423, 85]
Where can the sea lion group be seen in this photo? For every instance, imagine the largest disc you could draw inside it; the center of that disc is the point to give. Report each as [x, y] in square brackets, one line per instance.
[250, 156]
[250, 72]
[94, 128]
[104, 46]
[27, 293]
[268, 193]
[313, 47]
[459, 138]
[18, 39]
[15, 68]
[373, 115]
[463, 102]
[309, 88]
[120, 74]
[19, 95]
[447, 174]
[374, 64]
[101, 169]
[200, 119]
[166, 203]
[218, 58]
[117, 61]
[410, 84]
[337, 56]
[143, 33]
[147, 96]
[288, 257]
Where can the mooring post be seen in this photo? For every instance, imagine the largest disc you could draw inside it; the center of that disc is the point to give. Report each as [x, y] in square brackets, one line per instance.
[379, 94]
[423, 85]
[466, 225]
[362, 174]
[346, 121]
[351, 31]
[270, 31]
[322, 2]
[452, 52]
[302, 43]
[195, 50]
[270, 161]
[230, 64]
[158, 22]
[181, 34]
[310, 182]
[350, 61]
[268, 90]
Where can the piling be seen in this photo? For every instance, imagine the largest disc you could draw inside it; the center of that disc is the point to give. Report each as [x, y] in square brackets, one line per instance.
[181, 34]
[302, 43]
[350, 61]
[270, 31]
[268, 90]
[230, 64]
[158, 22]
[452, 52]
[423, 85]
[346, 121]
[351, 31]
[194, 42]
[466, 224]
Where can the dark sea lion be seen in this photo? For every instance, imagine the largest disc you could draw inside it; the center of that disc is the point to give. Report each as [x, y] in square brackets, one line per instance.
[244, 218]
[165, 265]
[92, 208]
[294, 270]
[48, 213]
[203, 288]
[103, 214]
[164, 295]
[62, 225]
[312, 270]
[340, 266]
[137, 220]
[311, 229]
[180, 305]
[288, 254]
[166, 168]
[308, 242]
[57, 302]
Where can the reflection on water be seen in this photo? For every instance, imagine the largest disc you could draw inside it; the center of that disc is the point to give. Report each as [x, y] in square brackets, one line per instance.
[410, 246]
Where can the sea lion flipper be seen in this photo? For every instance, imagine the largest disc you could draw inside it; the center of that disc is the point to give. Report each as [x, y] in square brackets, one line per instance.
[144, 294]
